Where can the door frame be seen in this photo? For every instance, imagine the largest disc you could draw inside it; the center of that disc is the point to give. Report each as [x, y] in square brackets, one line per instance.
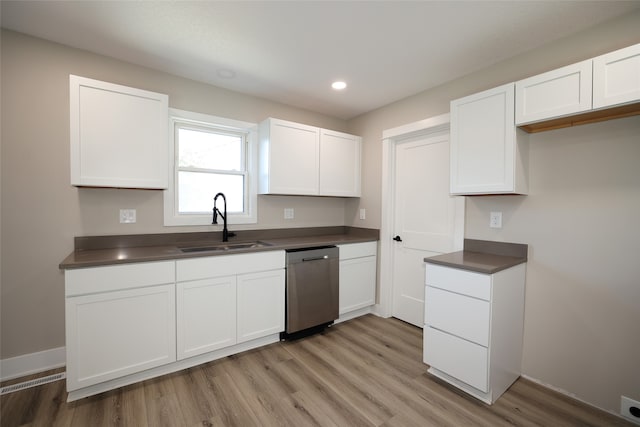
[390, 138]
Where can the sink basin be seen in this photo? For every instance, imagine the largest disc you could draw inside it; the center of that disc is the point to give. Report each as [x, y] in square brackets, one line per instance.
[226, 247]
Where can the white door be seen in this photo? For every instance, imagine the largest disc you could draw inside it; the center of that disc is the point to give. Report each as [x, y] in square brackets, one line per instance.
[427, 220]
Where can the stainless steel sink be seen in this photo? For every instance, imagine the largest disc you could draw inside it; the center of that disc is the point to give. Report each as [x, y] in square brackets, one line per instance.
[226, 246]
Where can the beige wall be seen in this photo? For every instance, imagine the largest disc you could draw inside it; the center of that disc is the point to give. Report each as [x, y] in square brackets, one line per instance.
[41, 212]
[580, 219]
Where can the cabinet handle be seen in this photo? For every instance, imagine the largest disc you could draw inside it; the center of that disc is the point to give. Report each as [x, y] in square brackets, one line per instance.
[315, 258]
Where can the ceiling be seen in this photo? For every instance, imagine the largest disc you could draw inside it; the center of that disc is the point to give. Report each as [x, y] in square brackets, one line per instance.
[291, 51]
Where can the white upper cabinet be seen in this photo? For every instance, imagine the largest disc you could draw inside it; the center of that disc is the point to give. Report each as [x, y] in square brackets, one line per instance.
[556, 93]
[616, 77]
[297, 159]
[601, 88]
[119, 135]
[489, 155]
[289, 158]
[339, 164]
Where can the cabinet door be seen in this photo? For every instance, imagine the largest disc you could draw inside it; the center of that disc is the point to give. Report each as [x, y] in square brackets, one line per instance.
[289, 158]
[206, 315]
[113, 334]
[357, 283]
[260, 304]
[339, 164]
[556, 93]
[119, 135]
[485, 157]
[616, 77]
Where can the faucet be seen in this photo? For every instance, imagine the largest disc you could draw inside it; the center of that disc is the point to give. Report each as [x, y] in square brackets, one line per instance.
[225, 233]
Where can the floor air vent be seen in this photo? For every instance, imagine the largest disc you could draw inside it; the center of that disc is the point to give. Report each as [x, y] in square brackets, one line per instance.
[32, 383]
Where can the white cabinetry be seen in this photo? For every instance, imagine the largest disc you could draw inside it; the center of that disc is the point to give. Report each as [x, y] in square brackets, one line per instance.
[616, 77]
[206, 315]
[297, 159]
[260, 304]
[557, 93]
[474, 328]
[597, 89]
[119, 320]
[289, 158]
[489, 155]
[119, 135]
[226, 300]
[339, 164]
[357, 278]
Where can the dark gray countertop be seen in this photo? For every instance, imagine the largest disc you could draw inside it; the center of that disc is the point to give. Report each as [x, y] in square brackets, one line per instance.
[483, 256]
[93, 251]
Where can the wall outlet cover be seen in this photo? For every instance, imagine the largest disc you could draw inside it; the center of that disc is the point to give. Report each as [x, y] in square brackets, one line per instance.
[127, 216]
[495, 220]
[630, 409]
[288, 213]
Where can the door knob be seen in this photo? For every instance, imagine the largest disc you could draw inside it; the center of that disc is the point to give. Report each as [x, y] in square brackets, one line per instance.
[397, 239]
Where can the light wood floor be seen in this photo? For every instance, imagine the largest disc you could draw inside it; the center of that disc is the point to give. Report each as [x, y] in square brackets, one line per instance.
[364, 372]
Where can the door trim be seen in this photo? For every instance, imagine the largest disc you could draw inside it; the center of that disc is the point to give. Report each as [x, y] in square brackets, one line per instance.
[391, 137]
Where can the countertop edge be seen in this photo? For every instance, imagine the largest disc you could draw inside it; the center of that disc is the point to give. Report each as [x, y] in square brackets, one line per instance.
[483, 256]
[478, 269]
[125, 255]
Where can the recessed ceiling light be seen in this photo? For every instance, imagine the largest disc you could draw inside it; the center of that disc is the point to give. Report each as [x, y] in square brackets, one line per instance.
[339, 85]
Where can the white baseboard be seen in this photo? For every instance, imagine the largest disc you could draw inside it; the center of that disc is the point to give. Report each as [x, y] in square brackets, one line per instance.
[571, 395]
[32, 363]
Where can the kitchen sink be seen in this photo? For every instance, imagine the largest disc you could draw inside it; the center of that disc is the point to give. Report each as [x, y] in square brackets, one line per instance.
[226, 247]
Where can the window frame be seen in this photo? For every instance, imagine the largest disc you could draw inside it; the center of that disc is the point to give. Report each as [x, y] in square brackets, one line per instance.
[171, 215]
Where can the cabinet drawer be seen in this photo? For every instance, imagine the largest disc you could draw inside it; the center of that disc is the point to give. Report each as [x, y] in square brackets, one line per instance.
[457, 314]
[84, 281]
[227, 265]
[358, 250]
[459, 281]
[461, 359]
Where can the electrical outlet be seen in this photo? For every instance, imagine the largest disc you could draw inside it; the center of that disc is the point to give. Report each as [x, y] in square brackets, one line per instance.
[288, 213]
[630, 409]
[127, 216]
[363, 213]
[495, 220]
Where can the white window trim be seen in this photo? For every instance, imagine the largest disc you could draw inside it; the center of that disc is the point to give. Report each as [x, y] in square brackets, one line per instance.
[171, 215]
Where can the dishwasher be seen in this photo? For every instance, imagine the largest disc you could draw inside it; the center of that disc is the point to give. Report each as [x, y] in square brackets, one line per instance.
[311, 290]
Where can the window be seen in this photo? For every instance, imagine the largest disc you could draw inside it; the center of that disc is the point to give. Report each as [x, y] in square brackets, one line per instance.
[210, 155]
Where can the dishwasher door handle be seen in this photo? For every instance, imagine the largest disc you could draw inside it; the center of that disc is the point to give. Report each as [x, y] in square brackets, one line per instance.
[315, 258]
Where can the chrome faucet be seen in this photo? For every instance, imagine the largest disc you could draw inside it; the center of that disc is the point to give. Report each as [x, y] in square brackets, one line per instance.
[225, 233]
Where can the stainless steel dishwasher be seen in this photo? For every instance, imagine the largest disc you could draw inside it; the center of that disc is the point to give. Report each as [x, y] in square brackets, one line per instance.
[312, 290]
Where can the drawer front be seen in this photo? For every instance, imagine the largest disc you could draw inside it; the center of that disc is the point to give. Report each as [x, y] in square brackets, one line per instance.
[457, 314]
[461, 359]
[83, 281]
[358, 250]
[463, 282]
[228, 265]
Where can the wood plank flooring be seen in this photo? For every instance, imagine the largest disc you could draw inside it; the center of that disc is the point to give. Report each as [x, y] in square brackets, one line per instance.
[364, 372]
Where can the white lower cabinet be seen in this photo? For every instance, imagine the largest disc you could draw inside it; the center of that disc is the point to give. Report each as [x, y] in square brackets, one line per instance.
[114, 333]
[131, 322]
[217, 309]
[261, 299]
[206, 318]
[474, 327]
[357, 277]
